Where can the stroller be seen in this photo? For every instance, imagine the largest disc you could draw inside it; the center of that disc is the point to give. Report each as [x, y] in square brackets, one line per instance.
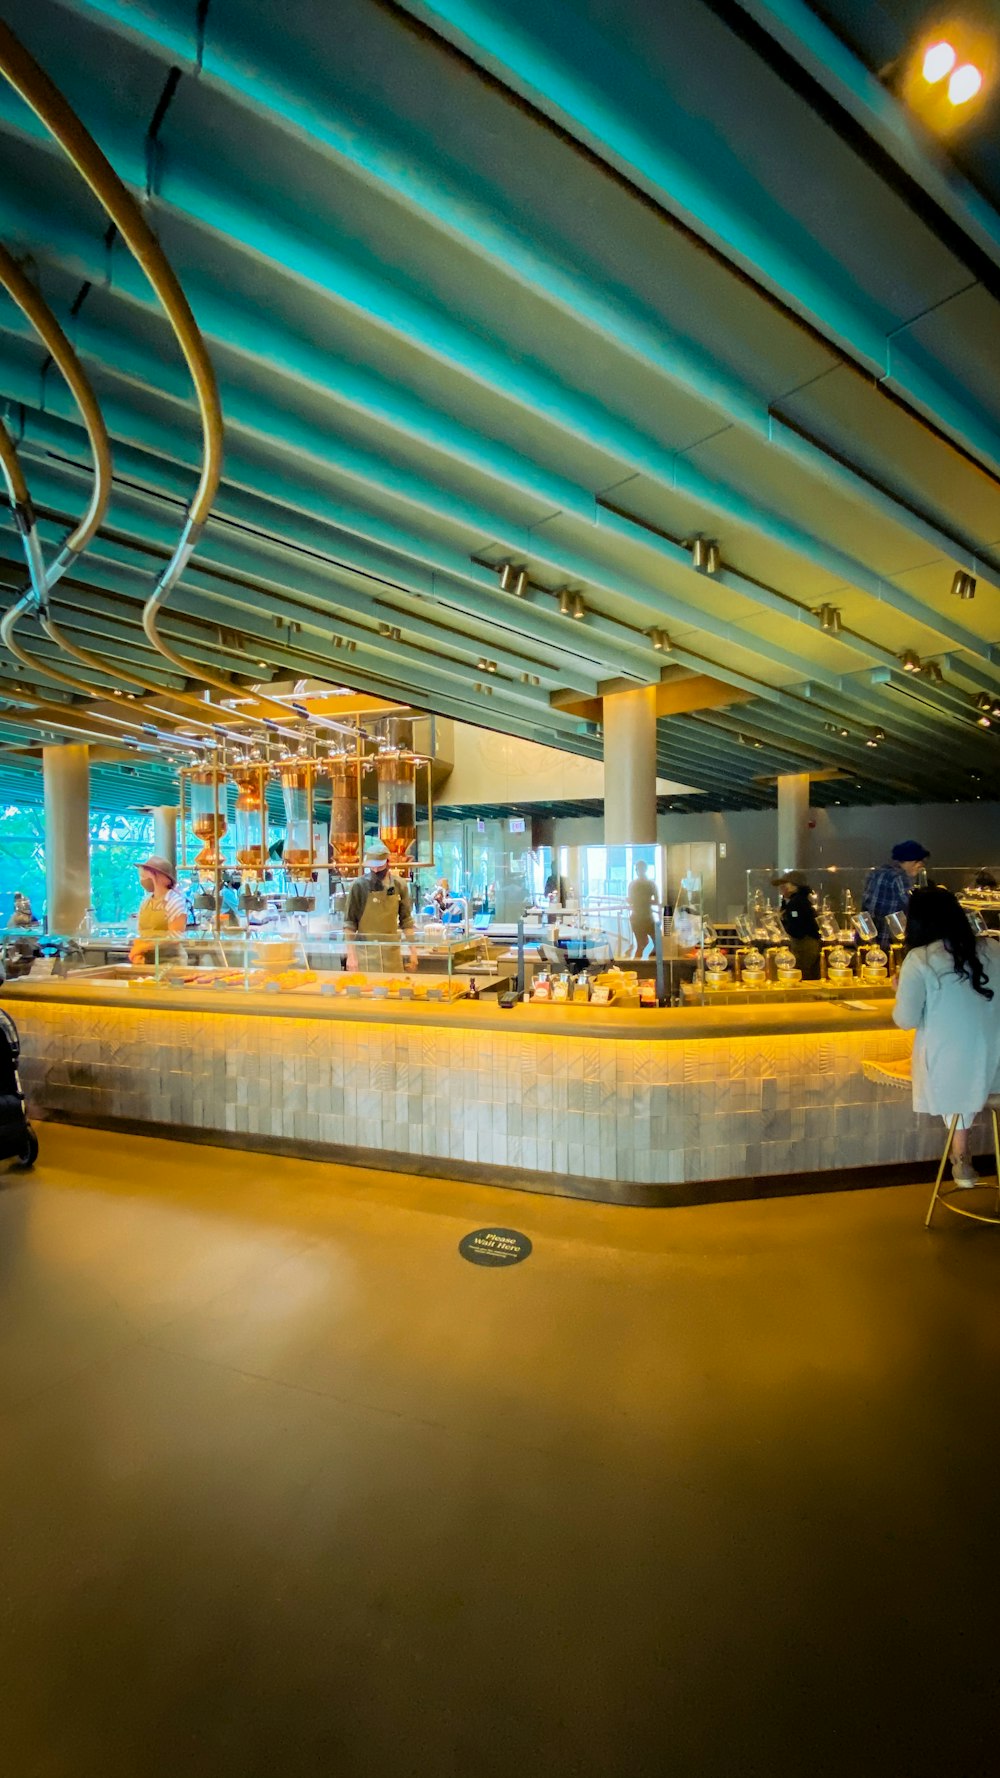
[18, 1141]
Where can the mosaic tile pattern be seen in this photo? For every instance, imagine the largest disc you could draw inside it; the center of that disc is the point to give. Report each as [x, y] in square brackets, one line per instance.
[628, 1112]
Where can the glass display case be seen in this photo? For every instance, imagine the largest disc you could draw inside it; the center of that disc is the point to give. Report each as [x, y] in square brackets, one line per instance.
[440, 965]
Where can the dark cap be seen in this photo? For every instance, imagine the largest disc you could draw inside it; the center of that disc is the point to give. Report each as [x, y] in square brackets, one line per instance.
[909, 852]
[790, 876]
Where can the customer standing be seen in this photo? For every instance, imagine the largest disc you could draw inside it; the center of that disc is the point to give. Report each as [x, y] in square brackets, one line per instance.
[642, 896]
[947, 996]
[888, 889]
[798, 917]
[162, 913]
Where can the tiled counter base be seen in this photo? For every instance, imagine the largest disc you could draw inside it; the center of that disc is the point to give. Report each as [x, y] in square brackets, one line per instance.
[618, 1119]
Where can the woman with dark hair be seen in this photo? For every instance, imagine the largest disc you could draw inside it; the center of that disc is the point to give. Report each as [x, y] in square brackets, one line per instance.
[948, 995]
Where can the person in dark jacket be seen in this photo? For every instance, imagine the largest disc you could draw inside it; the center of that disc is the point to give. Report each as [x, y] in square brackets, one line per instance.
[798, 917]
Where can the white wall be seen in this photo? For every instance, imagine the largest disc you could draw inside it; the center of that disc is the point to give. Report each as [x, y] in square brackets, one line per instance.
[492, 769]
[955, 833]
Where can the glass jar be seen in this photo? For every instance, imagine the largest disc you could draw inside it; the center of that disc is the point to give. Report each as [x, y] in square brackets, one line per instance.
[838, 964]
[251, 816]
[784, 963]
[345, 826]
[716, 967]
[752, 969]
[296, 790]
[397, 805]
[876, 964]
[208, 820]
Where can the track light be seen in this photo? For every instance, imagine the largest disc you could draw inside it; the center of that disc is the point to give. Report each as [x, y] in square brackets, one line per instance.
[911, 661]
[660, 640]
[931, 670]
[514, 580]
[963, 585]
[706, 556]
[829, 618]
[571, 604]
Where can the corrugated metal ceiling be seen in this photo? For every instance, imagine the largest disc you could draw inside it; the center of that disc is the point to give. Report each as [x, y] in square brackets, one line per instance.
[559, 284]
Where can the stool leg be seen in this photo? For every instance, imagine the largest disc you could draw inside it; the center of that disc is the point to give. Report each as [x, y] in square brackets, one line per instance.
[953, 1126]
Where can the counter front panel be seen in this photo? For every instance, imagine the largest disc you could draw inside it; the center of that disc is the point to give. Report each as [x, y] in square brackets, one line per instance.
[625, 1110]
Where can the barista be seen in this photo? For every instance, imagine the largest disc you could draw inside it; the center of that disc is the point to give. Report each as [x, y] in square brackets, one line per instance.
[378, 910]
[798, 917]
[162, 913]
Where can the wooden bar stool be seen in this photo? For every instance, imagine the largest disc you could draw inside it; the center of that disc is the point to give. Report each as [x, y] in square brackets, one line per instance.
[898, 1074]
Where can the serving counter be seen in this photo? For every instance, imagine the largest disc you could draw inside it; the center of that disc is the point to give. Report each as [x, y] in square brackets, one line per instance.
[622, 1104]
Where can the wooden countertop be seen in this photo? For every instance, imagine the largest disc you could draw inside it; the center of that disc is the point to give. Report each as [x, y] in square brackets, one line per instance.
[662, 1025]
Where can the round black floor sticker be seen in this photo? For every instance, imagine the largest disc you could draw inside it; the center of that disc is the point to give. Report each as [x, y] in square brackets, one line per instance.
[494, 1247]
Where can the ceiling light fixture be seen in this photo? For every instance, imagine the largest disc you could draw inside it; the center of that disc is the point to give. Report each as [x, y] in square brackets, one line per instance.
[931, 670]
[699, 552]
[964, 83]
[963, 585]
[660, 640]
[507, 572]
[911, 661]
[713, 559]
[829, 618]
[939, 60]
[579, 608]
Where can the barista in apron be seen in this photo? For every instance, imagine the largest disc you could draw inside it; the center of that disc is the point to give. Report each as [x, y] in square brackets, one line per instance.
[378, 910]
[162, 915]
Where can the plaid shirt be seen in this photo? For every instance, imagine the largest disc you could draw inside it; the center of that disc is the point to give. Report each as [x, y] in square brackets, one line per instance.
[886, 891]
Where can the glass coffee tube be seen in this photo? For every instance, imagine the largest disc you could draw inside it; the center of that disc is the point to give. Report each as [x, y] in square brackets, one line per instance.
[397, 805]
[208, 820]
[250, 784]
[296, 790]
[345, 828]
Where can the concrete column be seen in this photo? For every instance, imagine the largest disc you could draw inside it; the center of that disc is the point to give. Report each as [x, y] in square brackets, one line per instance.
[66, 776]
[165, 831]
[630, 767]
[793, 820]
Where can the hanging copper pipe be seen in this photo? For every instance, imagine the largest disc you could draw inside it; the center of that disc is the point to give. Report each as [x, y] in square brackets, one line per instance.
[43, 96]
[36, 310]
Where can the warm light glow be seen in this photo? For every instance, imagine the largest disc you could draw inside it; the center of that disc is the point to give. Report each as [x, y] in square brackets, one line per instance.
[964, 84]
[939, 61]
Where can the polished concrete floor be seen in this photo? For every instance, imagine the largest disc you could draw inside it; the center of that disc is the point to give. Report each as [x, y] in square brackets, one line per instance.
[288, 1488]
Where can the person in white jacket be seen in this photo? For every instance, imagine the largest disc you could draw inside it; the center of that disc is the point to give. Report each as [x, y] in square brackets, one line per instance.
[949, 996]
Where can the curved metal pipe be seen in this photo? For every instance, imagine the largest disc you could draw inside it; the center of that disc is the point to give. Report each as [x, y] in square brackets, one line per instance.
[34, 307]
[43, 96]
